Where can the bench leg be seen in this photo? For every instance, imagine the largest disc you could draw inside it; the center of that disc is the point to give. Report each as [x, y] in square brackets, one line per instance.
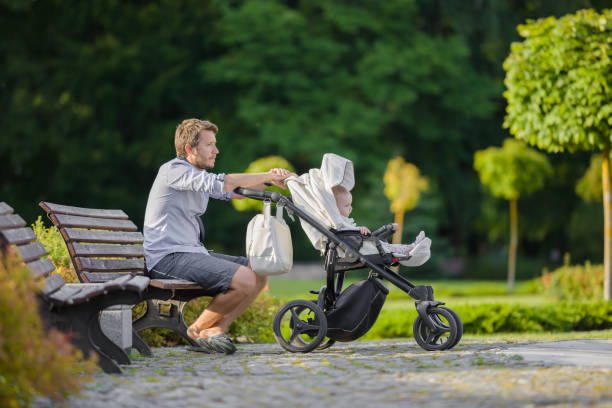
[139, 344]
[167, 314]
[76, 322]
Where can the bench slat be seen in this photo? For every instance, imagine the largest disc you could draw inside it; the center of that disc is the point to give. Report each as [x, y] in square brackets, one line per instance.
[5, 208]
[103, 250]
[110, 237]
[18, 236]
[41, 267]
[101, 277]
[76, 293]
[31, 252]
[51, 208]
[109, 265]
[174, 284]
[76, 221]
[9, 221]
[53, 283]
[128, 282]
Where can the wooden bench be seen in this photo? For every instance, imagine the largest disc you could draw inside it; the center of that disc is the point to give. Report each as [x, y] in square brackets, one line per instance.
[72, 308]
[104, 244]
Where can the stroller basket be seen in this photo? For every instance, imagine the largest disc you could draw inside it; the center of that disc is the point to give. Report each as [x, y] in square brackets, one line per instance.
[345, 315]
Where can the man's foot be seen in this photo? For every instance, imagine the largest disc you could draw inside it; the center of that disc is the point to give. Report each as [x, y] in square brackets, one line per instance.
[219, 343]
[193, 332]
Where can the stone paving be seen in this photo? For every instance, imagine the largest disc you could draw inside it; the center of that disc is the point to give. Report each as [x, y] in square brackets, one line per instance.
[357, 374]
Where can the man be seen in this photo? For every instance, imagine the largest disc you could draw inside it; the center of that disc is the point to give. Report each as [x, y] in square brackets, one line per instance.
[173, 250]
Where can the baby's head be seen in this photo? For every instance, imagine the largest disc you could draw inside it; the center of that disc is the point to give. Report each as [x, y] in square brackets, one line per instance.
[344, 199]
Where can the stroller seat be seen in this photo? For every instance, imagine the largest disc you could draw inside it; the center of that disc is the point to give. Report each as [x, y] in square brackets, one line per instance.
[312, 192]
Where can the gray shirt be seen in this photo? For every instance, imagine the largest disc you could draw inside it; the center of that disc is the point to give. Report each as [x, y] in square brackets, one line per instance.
[179, 194]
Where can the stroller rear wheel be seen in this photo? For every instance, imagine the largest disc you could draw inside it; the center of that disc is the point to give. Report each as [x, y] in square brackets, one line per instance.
[443, 335]
[300, 326]
[326, 343]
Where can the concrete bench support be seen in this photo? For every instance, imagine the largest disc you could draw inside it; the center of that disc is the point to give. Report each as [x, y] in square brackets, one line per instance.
[116, 322]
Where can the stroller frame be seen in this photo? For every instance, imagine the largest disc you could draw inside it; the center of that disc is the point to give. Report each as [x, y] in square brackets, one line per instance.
[428, 326]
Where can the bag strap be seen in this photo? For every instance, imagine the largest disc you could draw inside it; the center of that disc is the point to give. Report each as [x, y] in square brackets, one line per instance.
[279, 212]
[266, 210]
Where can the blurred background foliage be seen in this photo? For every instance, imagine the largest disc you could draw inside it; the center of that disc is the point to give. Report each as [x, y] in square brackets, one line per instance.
[91, 92]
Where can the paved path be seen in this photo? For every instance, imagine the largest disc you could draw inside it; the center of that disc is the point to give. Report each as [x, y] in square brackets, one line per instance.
[363, 374]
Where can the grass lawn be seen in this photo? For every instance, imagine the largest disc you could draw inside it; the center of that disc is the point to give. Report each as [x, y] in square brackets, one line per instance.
[533, 337]
[445, 290]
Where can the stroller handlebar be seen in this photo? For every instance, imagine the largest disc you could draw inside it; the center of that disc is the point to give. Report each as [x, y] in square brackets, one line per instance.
[273, 196]
[384, 231]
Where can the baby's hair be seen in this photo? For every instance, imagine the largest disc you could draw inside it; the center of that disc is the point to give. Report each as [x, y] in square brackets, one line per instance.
[339, 191]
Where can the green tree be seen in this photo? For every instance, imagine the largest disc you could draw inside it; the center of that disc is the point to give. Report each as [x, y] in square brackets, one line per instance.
[559, 93]
[509, 172]
[403, 187]
[589, 186]
[262, 165]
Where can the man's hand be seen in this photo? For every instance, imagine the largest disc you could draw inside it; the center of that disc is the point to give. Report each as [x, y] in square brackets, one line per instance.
[394, 226]
[364, 231]
[278, 175]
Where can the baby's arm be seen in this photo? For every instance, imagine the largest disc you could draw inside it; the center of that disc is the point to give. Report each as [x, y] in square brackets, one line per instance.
[364, 230]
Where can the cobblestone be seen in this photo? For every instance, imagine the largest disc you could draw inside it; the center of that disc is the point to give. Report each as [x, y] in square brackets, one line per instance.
[357, 374]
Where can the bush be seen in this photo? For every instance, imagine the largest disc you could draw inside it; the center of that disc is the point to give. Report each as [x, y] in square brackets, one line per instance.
[55, 246]
[506, 317]
[254, 325]
[32, 360]
[578, 282]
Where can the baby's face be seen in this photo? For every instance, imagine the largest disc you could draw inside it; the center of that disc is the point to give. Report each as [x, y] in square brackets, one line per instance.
[344, 201]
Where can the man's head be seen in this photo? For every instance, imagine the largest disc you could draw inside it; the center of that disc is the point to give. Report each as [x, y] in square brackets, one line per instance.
[344, 200]
[195, 140]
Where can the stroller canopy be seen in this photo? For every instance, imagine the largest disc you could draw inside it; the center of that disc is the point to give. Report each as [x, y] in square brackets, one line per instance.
[312, 193]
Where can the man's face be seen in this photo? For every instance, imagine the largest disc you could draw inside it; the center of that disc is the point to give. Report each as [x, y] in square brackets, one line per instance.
[204, 153]
[344, 202]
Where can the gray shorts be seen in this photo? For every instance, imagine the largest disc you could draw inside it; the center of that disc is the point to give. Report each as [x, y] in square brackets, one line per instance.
[213, 272]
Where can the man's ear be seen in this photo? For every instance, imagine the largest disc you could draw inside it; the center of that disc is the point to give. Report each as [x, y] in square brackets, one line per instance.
[188, 149]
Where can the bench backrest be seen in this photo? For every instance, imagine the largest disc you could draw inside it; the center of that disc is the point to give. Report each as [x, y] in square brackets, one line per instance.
[14, 234]
[101, 243]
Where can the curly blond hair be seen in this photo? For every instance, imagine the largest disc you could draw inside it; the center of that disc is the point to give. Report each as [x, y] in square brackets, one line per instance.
[188, 132]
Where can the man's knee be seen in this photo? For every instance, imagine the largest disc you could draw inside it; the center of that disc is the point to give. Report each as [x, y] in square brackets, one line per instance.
[244, 280]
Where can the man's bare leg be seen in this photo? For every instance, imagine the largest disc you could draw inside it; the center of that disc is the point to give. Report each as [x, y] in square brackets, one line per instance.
[241, 287]
[223, 325]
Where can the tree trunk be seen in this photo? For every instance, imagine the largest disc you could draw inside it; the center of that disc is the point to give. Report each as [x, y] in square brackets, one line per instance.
[607, 207]
[397, 237]
[513, 244]
[399, 220]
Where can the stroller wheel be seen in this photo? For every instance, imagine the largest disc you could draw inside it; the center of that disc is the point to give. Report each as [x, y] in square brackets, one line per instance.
[327, 344]
[459, 326]
[300, 326]
[445, 331]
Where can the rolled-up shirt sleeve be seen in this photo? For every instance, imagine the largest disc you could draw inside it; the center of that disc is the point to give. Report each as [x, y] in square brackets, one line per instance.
[226, 195]
[185, 177]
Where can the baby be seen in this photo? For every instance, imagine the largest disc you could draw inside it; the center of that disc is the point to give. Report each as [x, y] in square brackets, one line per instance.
[344, 200]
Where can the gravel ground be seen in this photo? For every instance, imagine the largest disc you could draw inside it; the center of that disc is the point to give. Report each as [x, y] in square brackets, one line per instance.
[361, 374]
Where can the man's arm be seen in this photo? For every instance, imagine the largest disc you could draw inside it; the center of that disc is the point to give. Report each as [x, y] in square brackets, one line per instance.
[256, 180]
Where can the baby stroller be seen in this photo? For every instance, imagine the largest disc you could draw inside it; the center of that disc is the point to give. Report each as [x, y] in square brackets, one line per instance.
[345, 315]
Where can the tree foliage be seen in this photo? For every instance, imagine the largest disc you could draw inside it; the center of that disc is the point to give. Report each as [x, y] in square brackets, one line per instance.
[589, 186]
[403, 185]
[512, 170]
[91, 93]
[560, 83]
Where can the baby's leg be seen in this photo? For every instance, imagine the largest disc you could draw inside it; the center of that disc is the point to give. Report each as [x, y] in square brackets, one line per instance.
[399, 249]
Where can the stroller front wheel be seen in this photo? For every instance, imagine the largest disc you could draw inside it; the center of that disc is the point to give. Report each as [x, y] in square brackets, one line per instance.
[300, 326]
[444, 334]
